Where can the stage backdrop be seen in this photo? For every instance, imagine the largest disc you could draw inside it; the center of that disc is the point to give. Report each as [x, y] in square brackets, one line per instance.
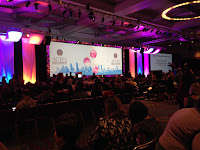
[88, 59]
[160, 62]
[6, 59]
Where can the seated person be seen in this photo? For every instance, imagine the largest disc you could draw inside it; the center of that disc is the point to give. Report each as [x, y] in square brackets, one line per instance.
[27, 101]
[107, 90]
[180, 130]
[115, 131]
[80, 92]
[148, 128]
[68, 128]
[96, 90]
[46, 95]
[194, 95]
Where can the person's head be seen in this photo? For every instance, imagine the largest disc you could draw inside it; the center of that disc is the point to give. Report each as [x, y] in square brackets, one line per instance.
[137, 111]
[60, 77]
[26, 93]
[194, 89]
[68, 128]
[106, 87]
[113, 106]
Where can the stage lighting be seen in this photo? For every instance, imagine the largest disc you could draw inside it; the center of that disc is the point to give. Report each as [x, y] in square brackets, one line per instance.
[9, 0]
[27, 35]
[91, 15]
[138, 27]
[102, 20]
[27, 3]
[13, 36]
[152, 30]
[122, 23]
[49, 7]
[36, 5]
[157, 31]
[64, 12]
[70, 12]
[79, 13]
[113, 23]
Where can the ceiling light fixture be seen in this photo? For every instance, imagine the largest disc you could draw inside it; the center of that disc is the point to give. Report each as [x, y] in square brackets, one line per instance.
[27, 3]
[164, 13]
[49, 7]
[113, 23]
[102, 20]
[79, 13]
[122, 23]
[64, 12]
[70, 12]
[36, 5]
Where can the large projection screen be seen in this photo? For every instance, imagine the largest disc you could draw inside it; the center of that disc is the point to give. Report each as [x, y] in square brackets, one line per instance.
[88, 59]
[161, 62]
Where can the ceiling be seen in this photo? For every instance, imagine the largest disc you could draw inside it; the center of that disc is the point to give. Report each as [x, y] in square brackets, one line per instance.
[152, 29]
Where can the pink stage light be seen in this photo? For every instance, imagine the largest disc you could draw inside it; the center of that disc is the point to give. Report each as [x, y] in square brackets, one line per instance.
[35, 39]
[13, 36]
[132, 62]
[146, 64]
[156, 51]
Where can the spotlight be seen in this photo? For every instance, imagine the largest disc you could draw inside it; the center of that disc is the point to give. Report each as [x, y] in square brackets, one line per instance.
[64, 12]
[144, 29]
[79, 13]
[49, 7]
[63, 39]
[78, 42]
[9, 0]
[180, 43]
[130, 25]
[36, 5]
[70, 12]
[27, 3]
[113, 23]
[122, 23]
[88, 6]
[102, 20]
[192, 41]
[27, 35]
[170, 45]
[157, 31]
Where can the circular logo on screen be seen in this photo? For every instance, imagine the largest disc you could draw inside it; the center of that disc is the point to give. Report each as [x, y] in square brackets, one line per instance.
[115, 55]
[59, 52]
[93, 53]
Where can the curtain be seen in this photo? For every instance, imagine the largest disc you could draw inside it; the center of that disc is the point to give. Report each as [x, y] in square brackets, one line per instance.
[6, 59]
[29, 62]
[132, 62]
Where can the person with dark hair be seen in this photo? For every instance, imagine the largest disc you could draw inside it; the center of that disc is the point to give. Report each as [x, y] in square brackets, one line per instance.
[183, 88]
[115, 131]
[107, 90]
[80, 91]
[68, 128]
[182, 127]
[27, 101]
[148, 128]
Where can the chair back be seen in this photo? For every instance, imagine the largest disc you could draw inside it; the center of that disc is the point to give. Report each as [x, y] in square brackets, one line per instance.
[24, 114]
[147, 146]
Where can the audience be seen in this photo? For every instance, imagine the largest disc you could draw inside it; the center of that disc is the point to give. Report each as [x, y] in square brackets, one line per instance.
[194, 95]
[68, 128]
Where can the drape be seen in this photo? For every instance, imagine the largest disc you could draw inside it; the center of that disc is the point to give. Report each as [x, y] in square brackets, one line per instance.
[146, 64]
[6, 59]
[29, 62]
[139, 63]
[132, 63]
